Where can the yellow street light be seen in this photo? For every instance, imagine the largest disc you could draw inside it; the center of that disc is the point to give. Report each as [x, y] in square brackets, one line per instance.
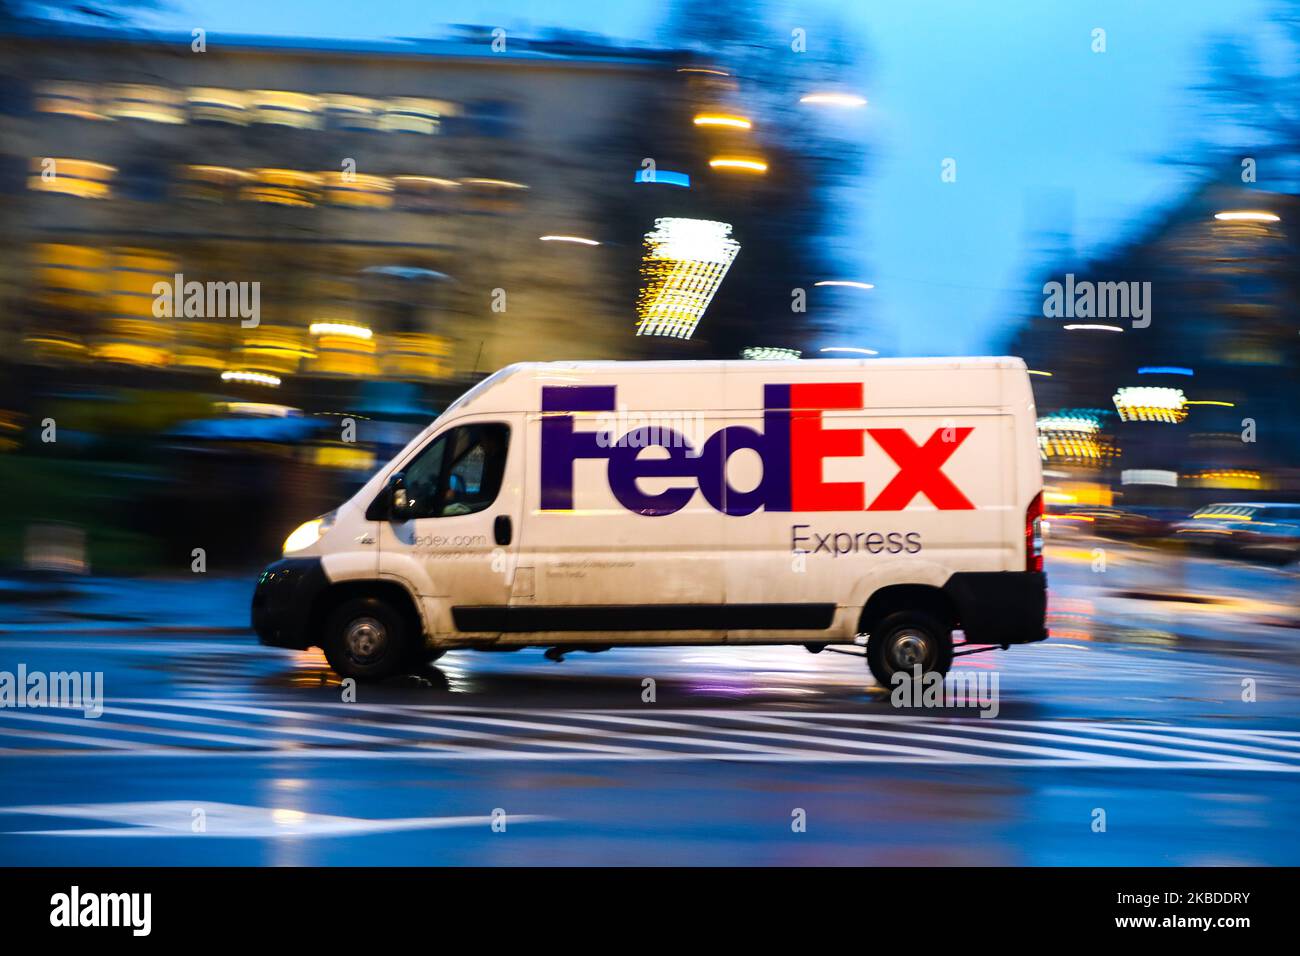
[719, 119]
[746, 165]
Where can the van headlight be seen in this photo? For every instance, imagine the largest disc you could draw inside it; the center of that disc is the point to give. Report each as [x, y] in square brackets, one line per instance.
[308, 533]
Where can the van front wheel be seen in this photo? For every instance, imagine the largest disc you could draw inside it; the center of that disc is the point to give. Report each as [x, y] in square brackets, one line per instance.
[367, 639]
[904, 640]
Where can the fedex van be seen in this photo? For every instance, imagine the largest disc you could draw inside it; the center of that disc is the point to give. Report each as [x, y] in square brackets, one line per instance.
[589, 505]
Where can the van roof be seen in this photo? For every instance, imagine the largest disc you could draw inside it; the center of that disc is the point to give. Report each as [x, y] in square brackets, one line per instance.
[506, 387]
[803, 365]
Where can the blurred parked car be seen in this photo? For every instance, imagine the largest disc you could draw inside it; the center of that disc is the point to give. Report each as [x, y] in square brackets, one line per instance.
[1108, 523]
[1261, 530]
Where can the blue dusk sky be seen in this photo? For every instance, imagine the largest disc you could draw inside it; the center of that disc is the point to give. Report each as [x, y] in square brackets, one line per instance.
[1060, 151]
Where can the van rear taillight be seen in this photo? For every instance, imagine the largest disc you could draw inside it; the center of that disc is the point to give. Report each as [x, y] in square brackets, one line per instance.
[1034, 534]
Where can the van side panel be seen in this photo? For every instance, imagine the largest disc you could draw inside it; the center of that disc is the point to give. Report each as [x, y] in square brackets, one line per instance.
[918, 434]
[601, 565]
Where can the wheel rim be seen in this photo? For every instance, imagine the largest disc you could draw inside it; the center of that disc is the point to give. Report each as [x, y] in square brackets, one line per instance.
[366, 639]
[908, 648]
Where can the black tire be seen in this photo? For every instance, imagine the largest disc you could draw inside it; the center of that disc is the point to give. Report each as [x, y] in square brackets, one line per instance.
[368, 639]
[893, 646]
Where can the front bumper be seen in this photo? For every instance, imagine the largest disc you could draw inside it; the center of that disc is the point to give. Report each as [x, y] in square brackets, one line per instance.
[283, 600]
[1000, 607]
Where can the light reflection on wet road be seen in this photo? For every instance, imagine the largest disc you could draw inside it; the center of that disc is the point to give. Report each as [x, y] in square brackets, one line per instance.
[1134, 708]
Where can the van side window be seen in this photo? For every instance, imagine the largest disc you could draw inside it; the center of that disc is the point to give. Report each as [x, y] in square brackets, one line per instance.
[459, 472]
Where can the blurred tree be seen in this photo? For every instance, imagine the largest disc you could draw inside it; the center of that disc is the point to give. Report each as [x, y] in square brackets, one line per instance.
[75, 10]
[1254, 92]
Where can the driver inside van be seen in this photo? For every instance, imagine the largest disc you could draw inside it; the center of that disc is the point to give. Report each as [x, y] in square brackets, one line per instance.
[474, 478]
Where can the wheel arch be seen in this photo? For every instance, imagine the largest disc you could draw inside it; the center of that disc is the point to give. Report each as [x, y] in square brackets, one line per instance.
[907, 597]
[387, 590]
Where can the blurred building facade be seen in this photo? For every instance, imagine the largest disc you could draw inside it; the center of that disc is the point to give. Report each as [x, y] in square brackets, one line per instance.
[388, 203]
[1198, 405]
[389, 196]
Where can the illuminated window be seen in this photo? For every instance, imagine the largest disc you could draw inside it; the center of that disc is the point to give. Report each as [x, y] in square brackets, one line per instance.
[406, 114]
[156, 104]
[347, 364]
[71, 277]
[417, 356]
[212, 183]
[281, 108]
[274, 349]
[68, 99]
[355, 189]
[130, 333]
[213, 105]
[343, 346]
[133, 276]
[72, 177]
[352, 112]
[132, 353]
[283, 187]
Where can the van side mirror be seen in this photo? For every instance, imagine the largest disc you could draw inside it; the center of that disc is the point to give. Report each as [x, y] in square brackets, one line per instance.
[392, 503]
[400, 506]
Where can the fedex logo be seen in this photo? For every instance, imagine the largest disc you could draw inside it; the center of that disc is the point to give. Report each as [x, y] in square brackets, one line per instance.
[791, 446]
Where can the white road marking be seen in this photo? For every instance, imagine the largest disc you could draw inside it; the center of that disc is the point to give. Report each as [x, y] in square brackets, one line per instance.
[971, 740]
[172, 818]
[219, 722]
[405, 727]
[649, 756]
[100, 723]
[68, 739]
[420, 731]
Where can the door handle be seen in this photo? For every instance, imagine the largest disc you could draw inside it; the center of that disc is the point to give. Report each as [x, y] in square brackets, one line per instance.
[501, 530]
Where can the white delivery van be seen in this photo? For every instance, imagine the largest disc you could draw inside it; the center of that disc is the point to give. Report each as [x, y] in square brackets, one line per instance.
[590, 505]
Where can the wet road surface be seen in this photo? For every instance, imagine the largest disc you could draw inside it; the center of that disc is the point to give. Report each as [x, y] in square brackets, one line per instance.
[1165, 707]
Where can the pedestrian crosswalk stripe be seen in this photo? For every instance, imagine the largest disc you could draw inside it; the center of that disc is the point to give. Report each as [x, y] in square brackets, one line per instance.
[334, 730]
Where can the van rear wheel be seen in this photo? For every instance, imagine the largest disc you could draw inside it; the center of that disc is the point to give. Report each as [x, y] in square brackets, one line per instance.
[904, 640]
[367, 639]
